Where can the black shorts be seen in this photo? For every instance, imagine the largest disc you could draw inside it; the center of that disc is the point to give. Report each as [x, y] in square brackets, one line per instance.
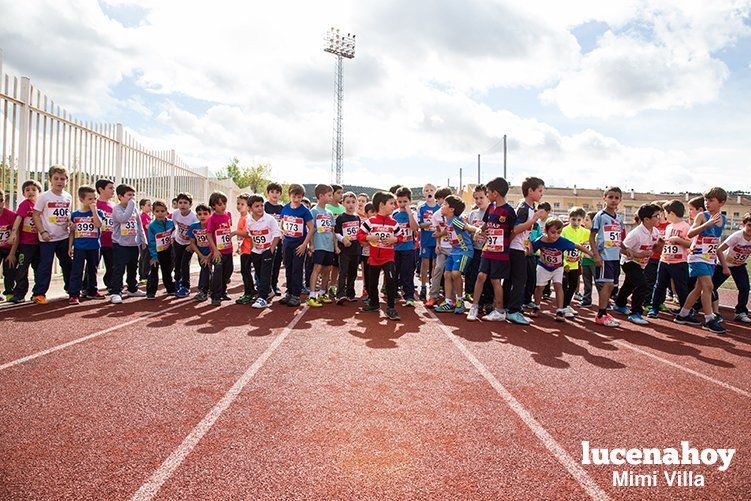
[608, 272]
[495, 269]
[324, 258]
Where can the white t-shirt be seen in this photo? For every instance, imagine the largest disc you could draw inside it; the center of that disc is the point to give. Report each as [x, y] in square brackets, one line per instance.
[182, 224]
[56, 210]
[738, 249]
[524, 213]
[439, 222]
[262, 232]
[641, 239]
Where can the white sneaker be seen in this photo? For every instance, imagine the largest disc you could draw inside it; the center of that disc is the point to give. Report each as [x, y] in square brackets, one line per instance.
[743, 318]
[495, 316]
[568, 313]
[116, 299]
[260, 303]
[137, 294]
[573, 312]
[473, 311]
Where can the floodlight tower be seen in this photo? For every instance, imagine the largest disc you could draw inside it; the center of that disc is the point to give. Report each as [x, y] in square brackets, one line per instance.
[341, 46]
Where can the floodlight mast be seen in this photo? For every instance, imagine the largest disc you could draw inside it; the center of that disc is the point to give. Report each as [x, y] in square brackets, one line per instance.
[342, 46]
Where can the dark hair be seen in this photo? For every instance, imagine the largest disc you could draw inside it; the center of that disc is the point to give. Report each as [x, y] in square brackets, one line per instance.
[403, 191]
[363, 195]
[482, 188]
[216, 198]
[101, 184]
[455, 203]
[612, 189]
[747, 218]
[717, 193]
[369, 207]
[31, 182]
[576, 212]
[322, 189]
[244, 196]
[348, 195]
[395, 188]
[296, 189]
[380, 198]
[443, 193]
[648, 211]
[174, 200]
[530, 183]
[203, 208]
[591, 215]
[335, 187]
[676, 207]
[122, 189]
[544, 206]
[697, 203]
[498, 185]
[553, 223]
[158, 203]
[185, 196]
[273, 187]
[83, 190]
[306, 200]
[254, 199]
[143, 202]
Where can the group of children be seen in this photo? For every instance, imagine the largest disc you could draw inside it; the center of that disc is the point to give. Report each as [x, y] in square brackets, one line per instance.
[493, 261]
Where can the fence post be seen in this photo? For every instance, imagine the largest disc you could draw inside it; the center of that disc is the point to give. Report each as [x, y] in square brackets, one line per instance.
[206, 186]
[23, 137]
[172, 162]
[119, 139]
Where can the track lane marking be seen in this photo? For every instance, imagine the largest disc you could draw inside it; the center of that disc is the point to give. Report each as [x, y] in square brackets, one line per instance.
[151, 487]
[563, 457]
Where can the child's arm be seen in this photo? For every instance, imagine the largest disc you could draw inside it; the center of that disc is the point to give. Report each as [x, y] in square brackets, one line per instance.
[412, 222]
[304, 246]
[212, 245]
[677, 240]
[95, 216]
[152, 244]
[274, 243]
[583, 249]
[528, 224]
[15, 232]
[701, 224]
[593, 245]
[70, 243]
[37, 217]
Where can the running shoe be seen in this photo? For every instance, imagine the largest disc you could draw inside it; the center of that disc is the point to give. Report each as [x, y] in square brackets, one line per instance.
[623, 310]
[409, 303]
[430, 302]
[324, 299]
[260, 303]
[689, 319]
[392, 314]
[244, 299]
[607, 321]
[560, 315]
[636, 318]
[714, 327]
[116, 299]
[40, 299]
[495, 316]
[444, 307]
[517, 318]
[459, 308]
[201, 296]
[653, 314]
[73, 300]
[313, 302]
[743, 318]
[473, 311]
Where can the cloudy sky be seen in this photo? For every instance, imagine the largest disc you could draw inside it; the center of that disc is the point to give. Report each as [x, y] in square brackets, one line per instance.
[643, 94]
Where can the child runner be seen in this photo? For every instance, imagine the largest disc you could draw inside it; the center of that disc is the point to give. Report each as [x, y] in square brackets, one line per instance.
[324, 251]
[160, 232]
[274, 208]
[737, 248]
[369, 212]
[673, 265]
[199, 243]
[183, 218]
[219, 231]
[128, 239]
[264, 235]
[480, 197]
[575, 232]
[459, 234]
[605, 241]
[442, 248]
[346, 228]
[427, 241]
[404, 252]
[7, 238]
[532, 257]
[587, 265]
[25, 248]
[297, 229]
[83, 244]
[105, 190]
[362, 201]
[144, 205]
[244, 248]
[335, 208]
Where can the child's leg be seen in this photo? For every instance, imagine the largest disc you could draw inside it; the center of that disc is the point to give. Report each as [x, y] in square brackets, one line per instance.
[185, 268]
[9, 273]
[538, 293]
[277, 266]
[740, 277]
[333, 275]
[365, 276]
[26, 253]
[228, 267]
[326, 273]
[529, 288]
[44, 273]
[448, 286]
[706, 294]
[373, 294]
[390, 281]
[314, 280]
[517, 280]
[559, 294]
[424, 266]
[76, 272]
[167, 265]
[407, 275]
[587, 272]
[132, 268]
[479, 285]
[498, 294]
[105, 254]
[458, 285]
[692, 298]
[92, 260]
[342, 281]
[264, 267]
[435, 283]
[61, 251]
[679, 274]
[247, 274]
[351, 274]
[571, 279]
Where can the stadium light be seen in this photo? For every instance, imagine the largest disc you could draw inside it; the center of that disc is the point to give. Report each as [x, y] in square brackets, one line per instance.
[342, 46]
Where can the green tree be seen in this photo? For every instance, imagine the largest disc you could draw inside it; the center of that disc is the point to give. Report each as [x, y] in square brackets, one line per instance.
[253, 178]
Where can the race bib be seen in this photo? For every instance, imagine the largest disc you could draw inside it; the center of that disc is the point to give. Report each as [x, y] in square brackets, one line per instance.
[129, 227]
[58, 213]
[292, 226]
[182, 230]
[644, 260]
[106, 223]
[85, 228]
[573, 256]
[382, 233]
[672, 252]
[223, 238]
[28, 225]
[738, 255]
[428, 216]
[278, 217]
[612, 235]
[350, 229]
[261, 239]
[451, 235]
[707, 247]
[406, 232]
[494, 241]
[552, 258]
[201, 238]
[163, 240]
[324, 223]
[4, 235]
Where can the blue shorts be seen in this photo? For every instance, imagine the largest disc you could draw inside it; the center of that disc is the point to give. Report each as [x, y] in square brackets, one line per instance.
[696, 270]
[458, 262]
[427, 251]
[323, 257]
[608, 272]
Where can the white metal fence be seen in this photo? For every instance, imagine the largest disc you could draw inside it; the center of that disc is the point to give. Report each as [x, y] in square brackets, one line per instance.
[35, 133]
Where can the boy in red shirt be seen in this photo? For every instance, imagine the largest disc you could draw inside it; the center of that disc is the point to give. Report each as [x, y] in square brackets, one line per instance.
[219, 231]
[25, 248]
[381, 232]
[7, 218]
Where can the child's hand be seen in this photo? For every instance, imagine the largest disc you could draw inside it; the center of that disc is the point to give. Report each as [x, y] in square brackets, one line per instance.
[217, 256]
[92, 206]
[716, 218]
[11, 259]
[391, 240]
[726, 271]
[154, 262]
[346, 242]
[70, 251]
[598, 261]
[300, 250]
[45, 236]
[371, 238]
[566, 268]
[673, 239]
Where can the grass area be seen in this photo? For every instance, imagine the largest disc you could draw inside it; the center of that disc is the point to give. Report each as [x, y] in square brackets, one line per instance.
[730, 284]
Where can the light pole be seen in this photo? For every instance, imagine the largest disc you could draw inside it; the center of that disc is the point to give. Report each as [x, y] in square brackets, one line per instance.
[342, 46]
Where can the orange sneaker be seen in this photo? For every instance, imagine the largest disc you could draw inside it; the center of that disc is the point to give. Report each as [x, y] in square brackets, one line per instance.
[430, 302]
[40, 299]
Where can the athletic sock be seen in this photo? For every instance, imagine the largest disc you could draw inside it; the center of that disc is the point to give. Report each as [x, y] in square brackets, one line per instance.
[684, 312]
[707, 318]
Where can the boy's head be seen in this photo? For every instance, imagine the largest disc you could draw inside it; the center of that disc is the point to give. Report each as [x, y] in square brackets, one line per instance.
[394, 189]
[575, 216]
[145, 205]
[649, 214]
[58, 176]
[428, 191]
[125, 193]
[243, 205]
[273, 192]
[369, 209]
[349, 200]
[533, 188]
[203, 212]
[105, 189]
[338, 191]
[612, 197]
[218, 202]
[362, 200]
[31, 189]
[383, 202]
[184, 201]
[545, 207]
[695, 206]
[676, 208]
[296, 192]
[714, 198]
[255, 203]
[86, 194]
[480, 196]
[452, 206]
[324, 193]
[159, 209]
[553, 228]
[441, 194]
[497, 187]
[306, 202]
[587, 223]
[174, 203]
[747, 223]
[403, 197]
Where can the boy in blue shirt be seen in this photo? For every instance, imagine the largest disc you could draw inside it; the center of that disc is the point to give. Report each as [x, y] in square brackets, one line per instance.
[427, 240]
[84, 244]
[404, 252]
[160, 249]
[297, 229]
[605, 240]
[324, 250]
[199, 244]
[462, 249]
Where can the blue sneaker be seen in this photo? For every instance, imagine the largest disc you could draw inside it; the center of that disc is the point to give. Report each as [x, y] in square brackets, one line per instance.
[653, 314]
[444, 307]
[637, 319]
[622, 310]
[182, 292]
[517, 318]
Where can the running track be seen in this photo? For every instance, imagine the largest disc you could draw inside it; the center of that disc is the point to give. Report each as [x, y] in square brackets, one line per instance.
[174, 399]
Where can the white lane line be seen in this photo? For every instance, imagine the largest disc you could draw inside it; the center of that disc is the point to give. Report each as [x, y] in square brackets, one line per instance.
[149, 489]
[86, 338]
[563, 457]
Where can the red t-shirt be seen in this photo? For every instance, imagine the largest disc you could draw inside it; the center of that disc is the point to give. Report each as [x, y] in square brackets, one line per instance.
[29, 235]
[220, 226]
[145, 222]
[7, 217]
[106, 236]
[661, 230]
[384, 227]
